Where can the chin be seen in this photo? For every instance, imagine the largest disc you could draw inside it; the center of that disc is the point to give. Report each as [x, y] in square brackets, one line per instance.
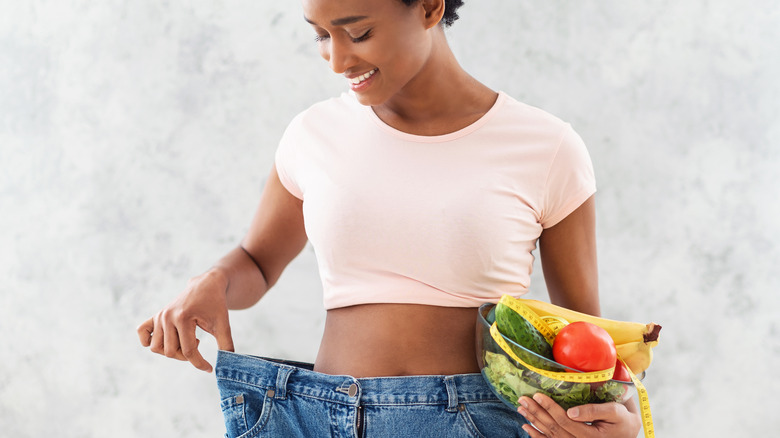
[368, 99]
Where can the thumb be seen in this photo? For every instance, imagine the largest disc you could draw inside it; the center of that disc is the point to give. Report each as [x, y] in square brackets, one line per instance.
[220, 329]
[604, 412]
[224, 337]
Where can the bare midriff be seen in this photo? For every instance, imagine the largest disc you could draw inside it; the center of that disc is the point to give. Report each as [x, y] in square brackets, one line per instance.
[373, 340]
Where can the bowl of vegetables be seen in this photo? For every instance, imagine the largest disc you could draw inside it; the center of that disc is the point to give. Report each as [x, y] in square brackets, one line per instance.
[512, 371]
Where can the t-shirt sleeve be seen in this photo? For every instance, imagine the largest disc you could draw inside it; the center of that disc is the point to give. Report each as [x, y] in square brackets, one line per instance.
[286, 161]
[570, 180]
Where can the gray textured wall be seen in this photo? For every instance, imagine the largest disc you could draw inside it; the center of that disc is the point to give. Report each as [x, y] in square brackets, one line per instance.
[135, 138]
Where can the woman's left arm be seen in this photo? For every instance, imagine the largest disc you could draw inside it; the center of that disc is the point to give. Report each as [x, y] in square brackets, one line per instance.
[568, 255]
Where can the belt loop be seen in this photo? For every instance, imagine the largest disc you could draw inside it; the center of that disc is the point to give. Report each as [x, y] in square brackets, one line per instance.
[452, 393]
[281, 381]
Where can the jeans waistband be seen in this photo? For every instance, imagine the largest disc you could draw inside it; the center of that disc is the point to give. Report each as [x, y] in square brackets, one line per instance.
[285, 377]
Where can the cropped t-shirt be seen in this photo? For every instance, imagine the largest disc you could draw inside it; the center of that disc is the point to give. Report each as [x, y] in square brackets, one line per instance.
[447, 220]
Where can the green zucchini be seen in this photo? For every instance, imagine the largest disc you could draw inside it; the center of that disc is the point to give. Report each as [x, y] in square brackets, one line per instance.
[512, 325]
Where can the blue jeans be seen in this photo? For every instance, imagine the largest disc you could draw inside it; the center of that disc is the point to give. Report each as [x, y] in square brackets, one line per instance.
[275, 398]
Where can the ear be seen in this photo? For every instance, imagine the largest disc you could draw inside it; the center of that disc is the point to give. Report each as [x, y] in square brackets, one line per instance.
[434, 11]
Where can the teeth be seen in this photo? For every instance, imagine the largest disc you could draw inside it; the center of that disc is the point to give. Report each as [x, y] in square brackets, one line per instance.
[362, 77]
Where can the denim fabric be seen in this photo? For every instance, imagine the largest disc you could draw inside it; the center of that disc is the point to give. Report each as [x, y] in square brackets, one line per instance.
[273, 398]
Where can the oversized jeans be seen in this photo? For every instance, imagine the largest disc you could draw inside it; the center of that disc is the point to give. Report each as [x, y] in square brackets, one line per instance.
[274, 398]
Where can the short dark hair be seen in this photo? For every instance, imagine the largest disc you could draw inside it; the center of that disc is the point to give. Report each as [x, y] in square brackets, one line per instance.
[450, 10]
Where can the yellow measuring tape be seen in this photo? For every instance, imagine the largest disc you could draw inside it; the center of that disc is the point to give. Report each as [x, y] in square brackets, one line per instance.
[548, 333]
[644, 404]
[549, 327]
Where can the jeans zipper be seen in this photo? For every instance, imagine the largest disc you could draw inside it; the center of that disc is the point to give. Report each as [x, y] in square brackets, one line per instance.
[359, 421]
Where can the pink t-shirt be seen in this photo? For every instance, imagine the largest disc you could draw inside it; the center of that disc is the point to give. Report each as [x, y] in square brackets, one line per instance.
[447, 220]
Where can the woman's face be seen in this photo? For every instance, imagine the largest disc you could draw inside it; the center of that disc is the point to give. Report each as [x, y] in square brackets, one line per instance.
[378, 45]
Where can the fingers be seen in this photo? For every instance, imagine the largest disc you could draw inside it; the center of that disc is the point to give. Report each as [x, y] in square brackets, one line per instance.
[161, 340]
[549, 418]
[157, 343]
[623, 419]
[532, 431]
[171, 347]
[585, 421]
[190, 352]
[219, 327]
[174, 337]
[145, 332]
[189, 343]
[172, 332]
[604, 412]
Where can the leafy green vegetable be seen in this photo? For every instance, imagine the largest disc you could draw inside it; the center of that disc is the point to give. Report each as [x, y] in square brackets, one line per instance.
[510, 383]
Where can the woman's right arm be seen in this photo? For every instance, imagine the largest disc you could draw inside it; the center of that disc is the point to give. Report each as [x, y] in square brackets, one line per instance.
[237, 281]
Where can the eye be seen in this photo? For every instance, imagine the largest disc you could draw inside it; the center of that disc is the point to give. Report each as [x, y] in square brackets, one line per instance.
[320, 38]
[363, 37]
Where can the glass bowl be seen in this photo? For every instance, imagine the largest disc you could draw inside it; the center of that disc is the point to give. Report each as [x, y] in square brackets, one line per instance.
[509, 380]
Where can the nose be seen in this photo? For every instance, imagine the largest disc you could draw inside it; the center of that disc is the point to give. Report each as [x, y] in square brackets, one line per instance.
[338, 55]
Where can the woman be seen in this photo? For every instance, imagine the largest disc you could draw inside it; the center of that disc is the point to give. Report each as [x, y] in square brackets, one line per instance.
[423, 193]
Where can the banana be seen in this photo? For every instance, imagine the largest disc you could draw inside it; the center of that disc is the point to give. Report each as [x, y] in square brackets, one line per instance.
[622, 332]
[637, 355]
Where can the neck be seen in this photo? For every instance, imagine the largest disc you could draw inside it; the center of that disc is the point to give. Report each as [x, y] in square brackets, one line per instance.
[429, 96]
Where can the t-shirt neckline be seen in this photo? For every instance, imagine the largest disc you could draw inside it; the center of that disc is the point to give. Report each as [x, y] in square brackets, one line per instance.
[436, 138]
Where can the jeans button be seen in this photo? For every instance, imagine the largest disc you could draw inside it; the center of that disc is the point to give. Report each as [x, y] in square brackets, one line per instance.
[352, 390]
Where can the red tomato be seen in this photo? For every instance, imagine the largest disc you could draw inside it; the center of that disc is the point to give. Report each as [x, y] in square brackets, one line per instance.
[621, 372]
[584, 347]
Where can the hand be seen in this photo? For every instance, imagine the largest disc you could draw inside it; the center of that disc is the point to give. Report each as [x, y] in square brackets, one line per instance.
[612, 420]
[172, 331]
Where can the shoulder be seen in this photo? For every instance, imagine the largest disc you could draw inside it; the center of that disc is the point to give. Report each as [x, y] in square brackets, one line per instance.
[325, 113]
[530, 128]
[524, 115]
[323, 125]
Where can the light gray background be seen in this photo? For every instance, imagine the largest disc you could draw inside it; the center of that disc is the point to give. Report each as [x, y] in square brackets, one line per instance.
[135, 138]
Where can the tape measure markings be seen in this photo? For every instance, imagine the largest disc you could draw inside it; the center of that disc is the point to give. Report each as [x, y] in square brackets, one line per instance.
[531, 316]
[644, 402]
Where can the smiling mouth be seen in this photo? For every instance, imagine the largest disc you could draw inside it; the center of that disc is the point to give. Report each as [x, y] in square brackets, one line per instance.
[358, 79]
